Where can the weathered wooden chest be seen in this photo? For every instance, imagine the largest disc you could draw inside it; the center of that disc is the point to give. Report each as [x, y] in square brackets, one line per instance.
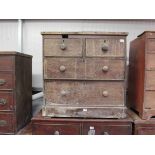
[42, 125]
[84, 74]
[15, 91]
[141, 83]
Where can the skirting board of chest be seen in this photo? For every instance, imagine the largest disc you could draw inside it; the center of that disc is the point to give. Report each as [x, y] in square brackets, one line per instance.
[84, 74]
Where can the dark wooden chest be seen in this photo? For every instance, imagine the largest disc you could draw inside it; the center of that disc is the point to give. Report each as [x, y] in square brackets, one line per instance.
[42, 125]
[84, 74]
[15, 91]
[141, 83]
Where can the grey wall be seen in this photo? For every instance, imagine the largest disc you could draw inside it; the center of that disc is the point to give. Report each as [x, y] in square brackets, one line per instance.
[32, 40]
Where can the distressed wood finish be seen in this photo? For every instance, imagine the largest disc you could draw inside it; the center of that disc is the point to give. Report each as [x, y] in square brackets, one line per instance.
[85, 93]
[84, 70]
[15, 91]
[115, 47]
[63, 47]
[53, 126]
[142, 127]
[141, 75]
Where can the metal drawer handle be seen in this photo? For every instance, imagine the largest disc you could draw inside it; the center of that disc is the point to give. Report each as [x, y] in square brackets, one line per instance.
[105, 93]
[56, 133]
[3, 123]
[106, 133]
[105, 68]
[91, 130]
[2, 82]
[105, 46]
[62, 68]
[2, 101]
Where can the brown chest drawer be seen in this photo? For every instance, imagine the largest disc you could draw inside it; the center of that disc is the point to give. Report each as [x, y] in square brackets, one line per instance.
[86, 93]
[56, 129]
[150, 45]
[78, 68]
[107, 129]
[146, 131]
[105, 47]
[150, 62]
[6, 101]
[6, 63]
[63, 47]
[6, 80]
[150, 80]
[6, 123]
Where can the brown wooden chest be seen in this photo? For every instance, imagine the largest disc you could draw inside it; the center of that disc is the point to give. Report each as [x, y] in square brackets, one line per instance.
[15, 91]
[141, 82]
[84, 74]
[42, 125]
[140, 126]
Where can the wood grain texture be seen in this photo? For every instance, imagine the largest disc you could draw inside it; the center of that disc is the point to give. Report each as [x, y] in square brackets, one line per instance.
[150, 80]
[150, 65]
[6, 63]
[73, 47]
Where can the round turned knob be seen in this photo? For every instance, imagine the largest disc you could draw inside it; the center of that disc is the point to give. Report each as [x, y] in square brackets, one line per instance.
[105, 68]
[63, 93]
[63, 46]
[105, 93]
[105, 47]
[56, 133]
[62, 68]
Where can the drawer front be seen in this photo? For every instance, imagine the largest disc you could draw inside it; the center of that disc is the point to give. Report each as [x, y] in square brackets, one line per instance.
[6, 123]
[105, 69]
[6, 80]
[151, 45]
[106, 129]
[150, 80]
[6, 63]
[77, 68]
[150, 61]
[145, 131]
[87, 93]
[64, 68]
[55, 129]
[105, 47]
[6, 101]
[63, 47]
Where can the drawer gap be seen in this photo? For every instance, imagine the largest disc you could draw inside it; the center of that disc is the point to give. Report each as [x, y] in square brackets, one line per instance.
[64, 35]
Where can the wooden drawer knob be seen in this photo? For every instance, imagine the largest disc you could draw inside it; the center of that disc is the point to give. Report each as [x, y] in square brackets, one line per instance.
[56, 133]
[2, 82]
[91, 130]
[105, 93]
[105, 46]
[2, 101]
[105, 68]
[106, 133]
[62, 68]
[63, 46]
[63, 93]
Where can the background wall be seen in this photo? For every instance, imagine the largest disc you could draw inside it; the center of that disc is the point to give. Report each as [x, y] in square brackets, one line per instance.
[32, 40]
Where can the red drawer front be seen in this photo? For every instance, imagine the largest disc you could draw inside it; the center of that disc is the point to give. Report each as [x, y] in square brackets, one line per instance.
[107, 129]
[6, 101]
[6, 123]
[6, 63]
[56, 129]
[6, 80]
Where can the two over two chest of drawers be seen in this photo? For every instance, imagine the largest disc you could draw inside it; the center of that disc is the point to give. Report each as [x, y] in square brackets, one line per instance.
[84, 74]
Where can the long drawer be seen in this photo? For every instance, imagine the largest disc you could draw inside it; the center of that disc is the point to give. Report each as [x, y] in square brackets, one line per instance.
[85, 93]
[90, 68]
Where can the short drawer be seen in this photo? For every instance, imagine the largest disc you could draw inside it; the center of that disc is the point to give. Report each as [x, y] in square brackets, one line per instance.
[145, 130]
[150, 61]
[6, 63]
[6, 80]
[150, 45]
[85, 93]
[56, 129]
[105, 69]
[6, 101]
[63, 47]
[150, 80]
[107, 128]
[64, 68]
[105, 47]
[6, 123]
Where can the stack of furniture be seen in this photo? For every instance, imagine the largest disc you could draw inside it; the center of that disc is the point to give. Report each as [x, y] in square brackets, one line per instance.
[15, 91]
[84, 84]
[141, 82]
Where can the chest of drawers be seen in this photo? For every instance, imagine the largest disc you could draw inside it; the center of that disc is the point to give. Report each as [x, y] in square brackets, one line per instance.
[142, 75]
[84, 74]
[15, 91]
